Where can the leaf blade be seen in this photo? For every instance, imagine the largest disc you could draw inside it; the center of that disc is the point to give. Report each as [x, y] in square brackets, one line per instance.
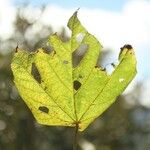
[117, 83]
[70, 95]
[34, 95]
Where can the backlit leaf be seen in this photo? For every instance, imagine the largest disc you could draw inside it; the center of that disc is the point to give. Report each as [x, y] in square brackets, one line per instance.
[67, 95]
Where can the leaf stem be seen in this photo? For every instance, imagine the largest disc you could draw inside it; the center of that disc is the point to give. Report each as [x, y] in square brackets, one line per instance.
[75, 139]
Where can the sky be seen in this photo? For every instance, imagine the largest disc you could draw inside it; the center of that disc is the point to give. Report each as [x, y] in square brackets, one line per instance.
[103, 4]
[113, 22]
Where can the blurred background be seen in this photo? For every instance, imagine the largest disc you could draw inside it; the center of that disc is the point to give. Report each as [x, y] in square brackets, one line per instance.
[126, 124]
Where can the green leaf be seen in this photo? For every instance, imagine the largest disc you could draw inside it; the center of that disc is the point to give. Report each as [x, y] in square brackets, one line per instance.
[68, 95]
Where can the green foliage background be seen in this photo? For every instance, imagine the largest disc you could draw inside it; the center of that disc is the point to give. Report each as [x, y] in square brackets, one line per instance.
[124, 126]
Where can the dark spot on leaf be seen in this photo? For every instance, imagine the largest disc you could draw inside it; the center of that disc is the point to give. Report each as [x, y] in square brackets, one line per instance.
[96, 66]
[44, 109]
[35, 73]
[126, 46]
[65, 62]
[76, 85]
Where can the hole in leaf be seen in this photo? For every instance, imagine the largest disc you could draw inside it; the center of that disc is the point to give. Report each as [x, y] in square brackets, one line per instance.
[109, 69]
[35, 73]
[78, 54]
[106, 57]
[65, 62]
[76, 85]
[44, 109]
[80, 37]
[121, 80]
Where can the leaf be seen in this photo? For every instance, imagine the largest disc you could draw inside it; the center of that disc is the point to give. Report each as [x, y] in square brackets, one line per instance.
[68, 95]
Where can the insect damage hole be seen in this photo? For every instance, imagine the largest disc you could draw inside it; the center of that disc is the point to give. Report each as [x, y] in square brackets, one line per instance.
[121, 80]
[80, 37]
[76, 85]
[109, 69]
[35, 73]
[78, 54]
[44, 109]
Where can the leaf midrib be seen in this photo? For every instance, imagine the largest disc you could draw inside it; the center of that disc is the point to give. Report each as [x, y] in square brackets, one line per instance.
[74, 103]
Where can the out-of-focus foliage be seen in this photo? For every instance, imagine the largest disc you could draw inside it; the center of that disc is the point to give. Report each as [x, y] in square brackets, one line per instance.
[124, 126]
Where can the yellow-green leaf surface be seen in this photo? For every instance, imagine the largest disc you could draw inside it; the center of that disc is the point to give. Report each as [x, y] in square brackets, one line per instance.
[67, 95]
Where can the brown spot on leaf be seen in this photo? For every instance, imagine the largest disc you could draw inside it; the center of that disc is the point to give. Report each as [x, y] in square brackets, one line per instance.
[127, 46]
[35, 73]
[44, 109]
[76, 85]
